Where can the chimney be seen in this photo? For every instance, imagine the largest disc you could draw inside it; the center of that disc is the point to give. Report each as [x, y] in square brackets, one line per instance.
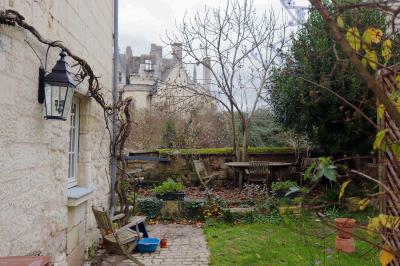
[177, 51]
[128, 60]
[206, 72]
[128, 52]
[156, 51]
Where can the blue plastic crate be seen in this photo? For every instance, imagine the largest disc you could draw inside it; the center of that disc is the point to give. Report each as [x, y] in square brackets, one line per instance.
[148, 244]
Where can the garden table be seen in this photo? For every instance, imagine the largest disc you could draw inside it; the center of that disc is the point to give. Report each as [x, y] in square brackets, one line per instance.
[240, 167]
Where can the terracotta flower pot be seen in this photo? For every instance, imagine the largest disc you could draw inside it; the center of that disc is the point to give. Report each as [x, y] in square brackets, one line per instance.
[346, 245]
[163, 243]
[345, 227]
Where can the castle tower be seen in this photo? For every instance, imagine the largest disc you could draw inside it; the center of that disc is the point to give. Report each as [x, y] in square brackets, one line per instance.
[129, 56]
[156, 52]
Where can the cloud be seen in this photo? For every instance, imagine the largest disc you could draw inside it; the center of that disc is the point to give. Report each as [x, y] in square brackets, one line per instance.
[142, 22]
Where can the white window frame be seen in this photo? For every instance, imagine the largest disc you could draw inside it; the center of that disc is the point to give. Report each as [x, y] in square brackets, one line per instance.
[73, 147]
[148, 65]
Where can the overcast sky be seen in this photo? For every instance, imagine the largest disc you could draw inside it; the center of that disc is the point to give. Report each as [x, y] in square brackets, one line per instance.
[142, 22]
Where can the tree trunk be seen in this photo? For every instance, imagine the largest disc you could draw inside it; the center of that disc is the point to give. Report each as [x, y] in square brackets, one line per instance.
[235, 142]
[245, 134]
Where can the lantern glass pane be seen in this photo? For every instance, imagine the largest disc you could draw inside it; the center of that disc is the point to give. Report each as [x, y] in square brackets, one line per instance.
[48, 101]
[68, 100]
[57, 100]
[62, 91]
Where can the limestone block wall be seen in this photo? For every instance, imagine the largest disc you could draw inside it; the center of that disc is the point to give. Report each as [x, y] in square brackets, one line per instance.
[34, 215]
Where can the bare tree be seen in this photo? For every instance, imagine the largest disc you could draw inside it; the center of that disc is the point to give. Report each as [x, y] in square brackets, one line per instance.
[239, 47]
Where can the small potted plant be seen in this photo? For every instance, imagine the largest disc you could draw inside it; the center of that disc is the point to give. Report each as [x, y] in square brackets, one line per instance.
[170, 190]
[287, 188]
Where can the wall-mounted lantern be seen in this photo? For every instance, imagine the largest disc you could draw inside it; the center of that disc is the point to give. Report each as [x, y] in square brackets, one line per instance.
[56, 89]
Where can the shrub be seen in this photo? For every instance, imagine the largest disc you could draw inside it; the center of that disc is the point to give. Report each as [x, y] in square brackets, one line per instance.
[151, 207]
[267, 206]
[282, 185]
[228, 216]
[194, 209]
[331, 195]
[212, 211]
[220, 202]
[255, 192]
[169, 186]
[301, 106]
[249, 218]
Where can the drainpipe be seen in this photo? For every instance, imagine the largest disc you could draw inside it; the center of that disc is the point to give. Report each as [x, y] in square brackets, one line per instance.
[114, 115]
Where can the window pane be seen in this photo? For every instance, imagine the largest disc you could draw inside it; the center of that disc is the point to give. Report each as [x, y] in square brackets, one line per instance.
[70, 142]
[73, 140]
[69, 166]
[72, 165]
[72, 115]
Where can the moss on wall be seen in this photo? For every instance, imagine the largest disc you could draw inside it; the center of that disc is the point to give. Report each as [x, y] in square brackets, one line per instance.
[227, 151]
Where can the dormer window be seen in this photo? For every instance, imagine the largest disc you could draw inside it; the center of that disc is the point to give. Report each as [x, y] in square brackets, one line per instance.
[148, 66]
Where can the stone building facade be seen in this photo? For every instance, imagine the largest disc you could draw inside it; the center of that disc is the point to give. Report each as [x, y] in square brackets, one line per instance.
[155, 81]
[45, 204]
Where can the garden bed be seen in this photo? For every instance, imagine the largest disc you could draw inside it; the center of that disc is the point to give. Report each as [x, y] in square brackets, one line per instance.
[232, 196]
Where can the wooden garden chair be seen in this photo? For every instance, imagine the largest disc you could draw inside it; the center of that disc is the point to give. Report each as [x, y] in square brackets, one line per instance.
[121, 239]
[202, 173]
[258, 171]
[204, 177]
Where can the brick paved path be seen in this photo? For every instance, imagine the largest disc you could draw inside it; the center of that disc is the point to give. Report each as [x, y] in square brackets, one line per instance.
[186, 246]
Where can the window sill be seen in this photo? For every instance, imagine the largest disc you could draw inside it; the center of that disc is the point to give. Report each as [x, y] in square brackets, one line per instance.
[78, 195]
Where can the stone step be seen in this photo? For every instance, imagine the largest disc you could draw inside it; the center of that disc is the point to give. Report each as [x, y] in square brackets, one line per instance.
[241, 210]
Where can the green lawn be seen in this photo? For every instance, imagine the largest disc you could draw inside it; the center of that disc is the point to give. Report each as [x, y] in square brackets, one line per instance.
[301, 241]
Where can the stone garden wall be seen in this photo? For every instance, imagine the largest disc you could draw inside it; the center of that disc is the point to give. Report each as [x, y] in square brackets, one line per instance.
[181, 166]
